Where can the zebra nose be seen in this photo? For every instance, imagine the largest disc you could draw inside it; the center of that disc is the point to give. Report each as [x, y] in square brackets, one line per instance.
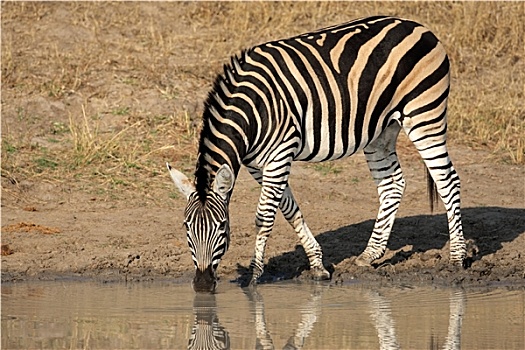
[204, 280]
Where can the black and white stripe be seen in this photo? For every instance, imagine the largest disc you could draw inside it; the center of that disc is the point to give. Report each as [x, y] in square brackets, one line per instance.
[207, 332]
[322, 96]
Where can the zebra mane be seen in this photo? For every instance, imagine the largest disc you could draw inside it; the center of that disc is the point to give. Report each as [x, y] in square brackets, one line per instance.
[204, 170]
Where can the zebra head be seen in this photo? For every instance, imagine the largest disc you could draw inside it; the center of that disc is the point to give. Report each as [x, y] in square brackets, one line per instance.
[207, 224]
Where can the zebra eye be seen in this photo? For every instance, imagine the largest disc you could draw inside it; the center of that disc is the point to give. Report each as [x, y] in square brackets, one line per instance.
[222, 226]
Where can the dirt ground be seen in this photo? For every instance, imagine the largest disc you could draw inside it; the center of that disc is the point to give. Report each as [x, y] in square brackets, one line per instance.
[124, 222]
[114, 240]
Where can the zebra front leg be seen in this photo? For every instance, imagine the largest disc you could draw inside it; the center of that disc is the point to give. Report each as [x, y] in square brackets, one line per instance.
[384, 165]
[313, 251]
[293, 215]
[264, 218]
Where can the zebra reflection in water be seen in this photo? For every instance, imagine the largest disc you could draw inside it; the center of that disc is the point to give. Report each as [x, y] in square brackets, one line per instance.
[380, 313]
[309, 316]
[208, 333]
[457, 310]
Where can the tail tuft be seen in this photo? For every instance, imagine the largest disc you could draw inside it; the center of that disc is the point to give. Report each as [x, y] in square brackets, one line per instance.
[431, 191]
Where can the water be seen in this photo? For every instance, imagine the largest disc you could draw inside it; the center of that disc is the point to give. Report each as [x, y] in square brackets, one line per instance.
[283, 315]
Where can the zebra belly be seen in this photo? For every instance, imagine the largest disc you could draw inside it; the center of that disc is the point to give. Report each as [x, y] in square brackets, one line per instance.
[329, 151]
[306, 154]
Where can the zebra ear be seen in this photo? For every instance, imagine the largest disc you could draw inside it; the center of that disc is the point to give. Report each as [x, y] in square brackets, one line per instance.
[224, 180]
[181, 181]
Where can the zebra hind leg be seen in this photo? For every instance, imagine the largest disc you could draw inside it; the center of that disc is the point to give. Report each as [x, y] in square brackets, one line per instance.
[293, 215]
[432, 148]
[384, 165]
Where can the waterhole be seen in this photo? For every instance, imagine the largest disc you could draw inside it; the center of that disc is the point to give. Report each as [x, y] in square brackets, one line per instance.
[274, 316]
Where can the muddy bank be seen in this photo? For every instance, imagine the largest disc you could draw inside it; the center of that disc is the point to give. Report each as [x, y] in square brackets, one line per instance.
[53, 234]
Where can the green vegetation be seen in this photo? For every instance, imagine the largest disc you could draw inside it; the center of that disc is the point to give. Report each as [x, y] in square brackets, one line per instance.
[326, 168]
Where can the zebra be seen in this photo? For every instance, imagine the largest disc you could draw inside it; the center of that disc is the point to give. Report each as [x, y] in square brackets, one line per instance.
[316, 97]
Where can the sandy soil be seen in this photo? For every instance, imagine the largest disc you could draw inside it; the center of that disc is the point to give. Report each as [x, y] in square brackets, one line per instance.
[81, 227]
[79, 236]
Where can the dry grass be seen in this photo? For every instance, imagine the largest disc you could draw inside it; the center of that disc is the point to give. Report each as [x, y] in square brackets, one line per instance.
[106, 93]
[30, 227]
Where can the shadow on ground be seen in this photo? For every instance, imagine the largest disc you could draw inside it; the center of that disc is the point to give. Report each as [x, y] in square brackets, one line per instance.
[485, 229]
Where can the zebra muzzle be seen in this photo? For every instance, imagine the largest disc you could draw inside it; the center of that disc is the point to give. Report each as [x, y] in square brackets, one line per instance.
[204, 280]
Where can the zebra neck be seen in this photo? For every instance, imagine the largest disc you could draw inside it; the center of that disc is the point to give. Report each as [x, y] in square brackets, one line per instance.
[205, 172]
[213, 153]
[226, 134]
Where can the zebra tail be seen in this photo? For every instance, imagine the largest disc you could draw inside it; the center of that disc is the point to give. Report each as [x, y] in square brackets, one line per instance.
[431, 191]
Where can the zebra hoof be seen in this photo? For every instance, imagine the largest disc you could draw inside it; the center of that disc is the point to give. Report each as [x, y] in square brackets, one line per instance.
[319, 274]
[253, 282]
[247, 280]
[463, 263]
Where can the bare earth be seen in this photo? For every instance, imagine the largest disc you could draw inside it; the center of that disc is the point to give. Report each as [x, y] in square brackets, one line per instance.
[124, 222]
[112, 240]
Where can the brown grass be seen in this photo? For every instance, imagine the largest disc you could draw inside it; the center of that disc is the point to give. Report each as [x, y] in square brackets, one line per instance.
[104, 94]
